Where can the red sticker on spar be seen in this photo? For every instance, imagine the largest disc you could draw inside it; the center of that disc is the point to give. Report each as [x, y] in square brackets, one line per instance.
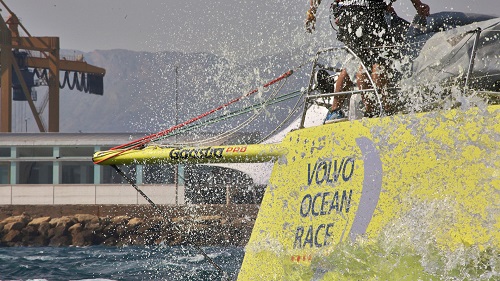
[236, 149]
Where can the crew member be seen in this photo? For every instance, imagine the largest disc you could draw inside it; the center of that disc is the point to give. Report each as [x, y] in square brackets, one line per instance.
[362, 27]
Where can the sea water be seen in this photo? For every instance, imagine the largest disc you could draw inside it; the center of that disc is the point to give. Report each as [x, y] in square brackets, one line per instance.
[117, 263]
[361, 261]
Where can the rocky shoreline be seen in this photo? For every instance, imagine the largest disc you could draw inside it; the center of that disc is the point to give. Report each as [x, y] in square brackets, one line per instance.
[221, 226]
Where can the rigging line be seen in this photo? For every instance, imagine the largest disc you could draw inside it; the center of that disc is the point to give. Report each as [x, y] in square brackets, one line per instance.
[300, 102]
[455, 53]
[164, 215]
[424, 41]
[231, 114]
[293, 70]
[487, 75]
[256, 114]
[232, 131]
[246, 109]
[295, 108]
[491, 26]
[244, 124]
[473, 33]
[274, 101]
[143, 141]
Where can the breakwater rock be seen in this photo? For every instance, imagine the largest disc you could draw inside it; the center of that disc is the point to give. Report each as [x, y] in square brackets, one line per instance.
[119, 230]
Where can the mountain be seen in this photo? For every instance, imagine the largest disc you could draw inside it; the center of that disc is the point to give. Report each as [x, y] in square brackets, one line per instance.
[140, 91]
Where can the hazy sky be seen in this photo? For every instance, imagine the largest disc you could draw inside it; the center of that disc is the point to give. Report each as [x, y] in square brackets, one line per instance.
[250, 27]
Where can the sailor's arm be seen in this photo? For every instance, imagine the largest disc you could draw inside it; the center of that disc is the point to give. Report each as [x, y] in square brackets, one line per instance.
[422, 9]
[311, 14]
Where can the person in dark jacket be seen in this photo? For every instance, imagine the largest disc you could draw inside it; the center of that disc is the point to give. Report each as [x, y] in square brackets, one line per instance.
[363, 28]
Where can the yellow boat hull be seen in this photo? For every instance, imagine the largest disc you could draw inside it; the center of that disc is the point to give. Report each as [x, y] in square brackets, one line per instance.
[343, 181]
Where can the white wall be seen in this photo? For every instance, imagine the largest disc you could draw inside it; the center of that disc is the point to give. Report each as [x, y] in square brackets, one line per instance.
[88, 194]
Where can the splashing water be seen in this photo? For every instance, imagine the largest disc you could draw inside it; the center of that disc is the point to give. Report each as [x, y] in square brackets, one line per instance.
[406, 249]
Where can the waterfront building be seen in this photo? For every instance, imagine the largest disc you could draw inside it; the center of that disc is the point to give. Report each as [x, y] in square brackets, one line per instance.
[57, 168]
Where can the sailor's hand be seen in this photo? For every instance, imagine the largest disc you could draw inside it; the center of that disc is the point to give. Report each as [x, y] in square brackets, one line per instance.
[390, 10]
[310, 19]
[422, 9]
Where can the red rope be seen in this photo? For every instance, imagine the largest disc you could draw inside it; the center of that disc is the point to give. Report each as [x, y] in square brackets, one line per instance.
[142, 141]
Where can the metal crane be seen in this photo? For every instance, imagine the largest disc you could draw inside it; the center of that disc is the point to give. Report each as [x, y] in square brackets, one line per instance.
[16, 53]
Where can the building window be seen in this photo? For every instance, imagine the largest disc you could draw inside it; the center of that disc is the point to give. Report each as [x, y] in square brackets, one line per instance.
[109, 175]
[4, 172]
[4, 151]
[77, 172]
[74, 151]
[31, 151]
[31, 172]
